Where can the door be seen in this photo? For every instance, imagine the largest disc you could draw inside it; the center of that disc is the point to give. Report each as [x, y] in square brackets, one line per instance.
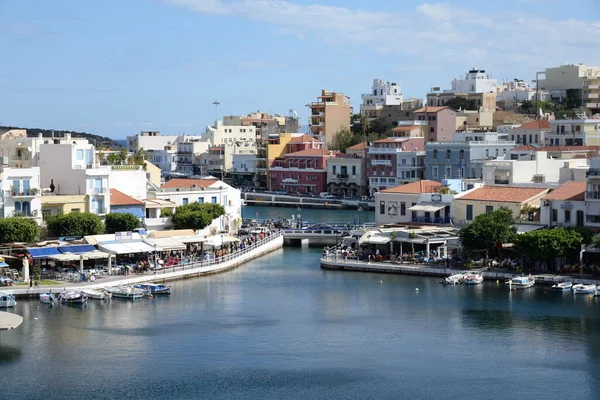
[579, 218]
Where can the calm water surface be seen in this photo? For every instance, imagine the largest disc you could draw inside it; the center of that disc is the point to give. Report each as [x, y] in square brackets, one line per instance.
[280, 327]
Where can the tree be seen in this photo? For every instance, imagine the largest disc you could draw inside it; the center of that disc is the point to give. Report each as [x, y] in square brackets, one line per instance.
[121, 222]
[18, 230]
[487, 230]
[196, 215]
[549, 244]
[462, 103]
[122, 156]
[75, 224]
[342, 140]
[381, 126]
[112, 158]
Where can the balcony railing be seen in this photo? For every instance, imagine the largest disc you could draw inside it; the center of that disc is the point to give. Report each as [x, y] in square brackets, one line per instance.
[342, 176]
[101, 190]
[30, 214]
[592, 195]
[24, 193]
[431, 220]
[387, 163]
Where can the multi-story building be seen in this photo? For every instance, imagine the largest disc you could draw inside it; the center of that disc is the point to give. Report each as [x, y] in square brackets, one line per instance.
[267, 126]
[407, 129]
[21, 193]
[485, 101]
[55, 204]
[591, 94]
[383, 93]
[222, 134]
[218, 160]
[304, 171]
[394, 161]
[153, 140]
[186, 152]
[329, 115]
[564, 206]
[567, 81]
[474, 120]
[475, 81]
[441, 122]
[165, 159]
[244, 169]
[517, 91]
[592, 196]
[463, 158]
[345, 175]
[528, 152]
[531, 133]
[392, 205]
[573, 132]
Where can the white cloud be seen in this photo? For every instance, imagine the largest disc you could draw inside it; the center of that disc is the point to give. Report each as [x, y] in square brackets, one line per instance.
[434, 32]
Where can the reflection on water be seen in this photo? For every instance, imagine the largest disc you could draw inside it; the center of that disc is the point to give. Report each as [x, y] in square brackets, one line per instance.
[8, 353]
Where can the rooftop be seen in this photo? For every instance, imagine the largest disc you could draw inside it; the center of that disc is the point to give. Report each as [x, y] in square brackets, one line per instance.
[304, 139]
[529, 147]
[360, 146]
[505, 194]
[118, 198]
[571, 190]
[403, 128]
[430, 109]
[310, 153]
[181, 183]
[539, 124]
[423, 186]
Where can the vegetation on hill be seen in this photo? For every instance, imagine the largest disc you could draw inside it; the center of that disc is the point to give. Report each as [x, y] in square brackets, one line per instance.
[101, 142]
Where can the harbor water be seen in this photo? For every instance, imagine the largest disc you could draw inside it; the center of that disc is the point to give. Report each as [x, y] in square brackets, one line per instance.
[281, 328]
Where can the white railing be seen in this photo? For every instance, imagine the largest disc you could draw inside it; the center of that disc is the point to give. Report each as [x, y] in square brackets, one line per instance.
[387, 163]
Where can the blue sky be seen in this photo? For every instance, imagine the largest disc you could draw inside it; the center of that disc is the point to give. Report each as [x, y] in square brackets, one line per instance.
[115, 67]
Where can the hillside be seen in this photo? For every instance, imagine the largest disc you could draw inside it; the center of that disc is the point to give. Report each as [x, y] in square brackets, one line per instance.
[100, 142]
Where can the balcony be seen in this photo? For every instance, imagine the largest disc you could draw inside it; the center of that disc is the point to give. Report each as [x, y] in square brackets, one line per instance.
[342, 177]
[101, 190]
[432, 220]
[591, 86]
[592, 105]
[24, 193]
[592, 195]
[593, 172]
[30, 214]
[387, 163]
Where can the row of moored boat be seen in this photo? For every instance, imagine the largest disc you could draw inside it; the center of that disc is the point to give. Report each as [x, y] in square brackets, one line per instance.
[132, 292]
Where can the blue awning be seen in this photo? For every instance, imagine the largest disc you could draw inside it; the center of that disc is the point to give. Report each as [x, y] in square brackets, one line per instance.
[43, 252]
[77, 249]
[3, 264]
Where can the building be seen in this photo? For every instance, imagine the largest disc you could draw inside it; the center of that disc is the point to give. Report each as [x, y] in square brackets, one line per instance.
[153, 173]
[392, 206]
[591, 94]
[573, 132]
[566, 82]
[484, 101]
[218, 160]
[394, 161]
[267, 126]
[304, 171]
[531, 133]
[529, 151]
[244, 168]
[523, 202]
[165, 159]
[564, 206]
[345, 175]
[463, 158]
[226, 134]
[441, 122]
[475, 81]
[592, 196]
[518, 91]
[132, 180]
[153, 140]
[474, 120]
[55, 204]
[121, 203]
[21, 193]
[383, 93]
[186, 151]
[408, 129]
[329, 115]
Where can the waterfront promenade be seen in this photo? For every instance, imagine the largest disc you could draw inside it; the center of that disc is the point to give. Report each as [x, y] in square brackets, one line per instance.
[339, 263]
[181, 271]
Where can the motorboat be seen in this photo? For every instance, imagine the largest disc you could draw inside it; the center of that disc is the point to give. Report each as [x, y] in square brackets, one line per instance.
[48, 298]
[597, 290]
[454, 279]
[580, 288]
[154, 288]
[473, 279]
[562, 286]
[7, 300]
[97, 294]
[521, 282]
[125, 292]
[72, 297]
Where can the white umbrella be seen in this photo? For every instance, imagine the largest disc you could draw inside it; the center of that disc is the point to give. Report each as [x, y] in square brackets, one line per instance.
[25, 269]
[9, 321]
[81, 263]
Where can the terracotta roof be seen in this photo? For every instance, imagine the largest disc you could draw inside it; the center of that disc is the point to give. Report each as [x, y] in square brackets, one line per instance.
[304, 139]
[405, 128]
[529, 147]
[571, 190]
[539, 124]
[180, 183]
[360, 146]
[408, 144]
[505, 194]
[309, 152]
[430, 109]
[118, 198]
[423, 186]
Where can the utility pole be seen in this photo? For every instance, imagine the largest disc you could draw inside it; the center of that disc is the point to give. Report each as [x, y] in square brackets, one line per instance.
[216, 104]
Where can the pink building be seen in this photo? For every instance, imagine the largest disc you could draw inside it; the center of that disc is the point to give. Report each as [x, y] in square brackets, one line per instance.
[303, 142]
[303, 171]
[441, 123]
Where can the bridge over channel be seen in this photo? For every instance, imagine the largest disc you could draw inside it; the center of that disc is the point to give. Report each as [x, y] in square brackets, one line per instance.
[321, 234]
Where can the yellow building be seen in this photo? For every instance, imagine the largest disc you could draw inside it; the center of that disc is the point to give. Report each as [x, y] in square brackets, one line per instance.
[152, 173]
[329, 115]
[591, 94]
[523, 202]
[53, 204]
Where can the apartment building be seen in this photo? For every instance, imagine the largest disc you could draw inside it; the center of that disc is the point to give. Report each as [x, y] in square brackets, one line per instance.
[394, 161]
[567, 81]
[591, 94]
[441, 122]
[573, 132]
[330, 114]
[345, 175]
[20, 193]
[304, 171]
[383, 93]
[564, 206]
[267, 126]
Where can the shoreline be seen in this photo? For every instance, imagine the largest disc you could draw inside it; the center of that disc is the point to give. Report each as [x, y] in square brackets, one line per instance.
[195, 269]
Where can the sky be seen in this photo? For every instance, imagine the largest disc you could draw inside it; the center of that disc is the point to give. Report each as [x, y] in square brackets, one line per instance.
[117, 67]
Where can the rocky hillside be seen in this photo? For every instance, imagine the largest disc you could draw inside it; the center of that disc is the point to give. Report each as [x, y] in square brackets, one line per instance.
[100, 142]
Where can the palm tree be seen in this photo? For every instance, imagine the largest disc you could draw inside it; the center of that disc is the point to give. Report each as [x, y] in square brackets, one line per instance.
[122, 157]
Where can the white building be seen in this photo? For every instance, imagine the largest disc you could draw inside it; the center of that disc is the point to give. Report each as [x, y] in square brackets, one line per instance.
[21, 193]
[518, 91]
[564, 206]
[574, 132]
[165, 160]
[475, 81]
[153, 140]
[130, 180]
[393, 205]
[220, 134]
[383, 93]
[564, 77]
[592, 196]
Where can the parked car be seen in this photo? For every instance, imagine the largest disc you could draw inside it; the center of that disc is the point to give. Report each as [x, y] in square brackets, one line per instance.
[259, 229]
[244, 230]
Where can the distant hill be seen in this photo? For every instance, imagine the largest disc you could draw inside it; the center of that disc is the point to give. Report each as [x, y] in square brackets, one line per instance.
[100, 142]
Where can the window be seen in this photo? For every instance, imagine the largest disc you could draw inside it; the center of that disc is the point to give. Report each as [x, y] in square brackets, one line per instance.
[404, 161]
[382, 207]
[403, 208]
[497, 152]
[431, 130]
[353, 170]
[461, 154]
[213, 199]
[334, 169]
[200, 200]
[448, 154]
[469, 212]
[434, 172]
[567, 216]
[487, 153]
[75, 210]
[79, 154]
[185, 201]
[448, 172]
[435, 154]
[489, 209]
[554, 215]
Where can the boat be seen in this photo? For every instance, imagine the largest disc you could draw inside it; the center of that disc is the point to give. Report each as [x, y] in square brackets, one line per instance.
[521, 282]
[7, 300]
[597, 290]
[455, 279]
[48, 298]
[562, 286]
[125, 292]
[97, 294]
[154, 288]
[72, 297]
[584, 289]
[473, 279]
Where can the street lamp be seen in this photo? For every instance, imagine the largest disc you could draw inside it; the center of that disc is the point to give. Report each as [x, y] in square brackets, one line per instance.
[216, 104]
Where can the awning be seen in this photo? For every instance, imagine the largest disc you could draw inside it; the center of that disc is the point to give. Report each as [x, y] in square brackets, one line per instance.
[173, 233]
[127, 247]
[3, 264]
[65, 257]
[219, 240]
[110, 237]
[42, 252]
[373, 239]
[9, 321]
[166, 243]
[427, 207]
[77, 249]
[96, 254]
[190, 239]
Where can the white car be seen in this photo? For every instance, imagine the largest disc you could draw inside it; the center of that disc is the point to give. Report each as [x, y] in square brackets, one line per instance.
[258, 230]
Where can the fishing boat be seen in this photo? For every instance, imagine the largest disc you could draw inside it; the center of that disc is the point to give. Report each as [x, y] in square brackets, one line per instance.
[72, 297]
[125, 292]
[562, 286]
[7, 300]
[473, 279]
[521, 282]
[455, 279]
[97, 294]
[580, 288]
[154, 288]
[48, 298]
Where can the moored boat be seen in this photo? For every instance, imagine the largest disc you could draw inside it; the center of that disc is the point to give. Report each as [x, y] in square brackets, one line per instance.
[154, 288]
[72, 297]
[521, 282]
[473, 279]
[96, 294]
[125, 292]
[7, 300]
[580, 288]
[562, 286]
[454, 279]
[48, 298]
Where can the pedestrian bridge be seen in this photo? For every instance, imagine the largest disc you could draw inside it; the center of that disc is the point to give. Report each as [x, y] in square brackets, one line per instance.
[321, 234]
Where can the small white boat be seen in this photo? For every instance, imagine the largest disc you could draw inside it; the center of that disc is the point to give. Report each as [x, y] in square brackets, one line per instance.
[521, 282]
[562, 286]
[125, 292]
[7, 300]
[473, 279]
[96, 294]
[580, 288]
[48, 298]
[597, 290]
[154, 288]
[72, 297]
[454, 279]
